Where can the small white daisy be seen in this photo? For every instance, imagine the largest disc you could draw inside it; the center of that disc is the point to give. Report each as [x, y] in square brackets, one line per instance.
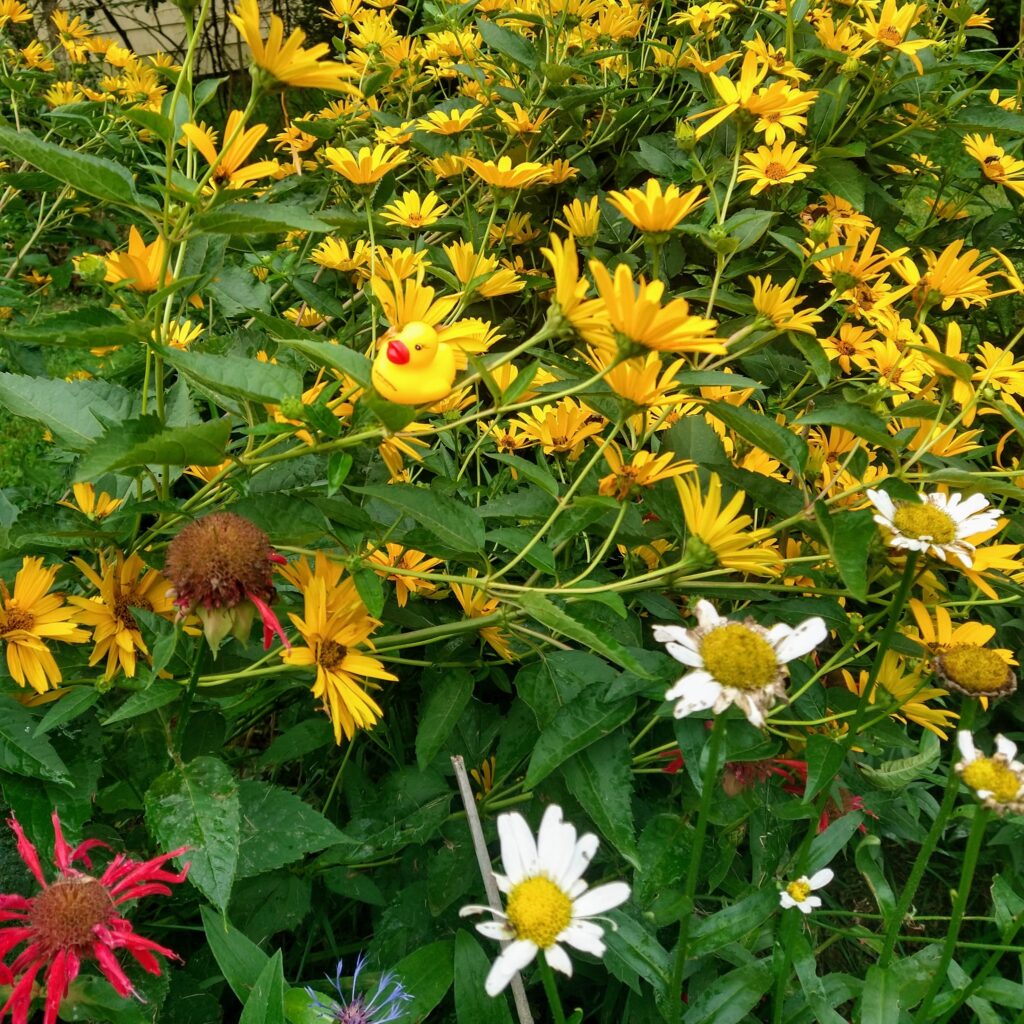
[547, 900]
[798, 894]
[998, 781]
[938, 524]
[740, 663]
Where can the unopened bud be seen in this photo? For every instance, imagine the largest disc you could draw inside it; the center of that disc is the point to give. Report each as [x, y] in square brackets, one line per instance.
[686, 137]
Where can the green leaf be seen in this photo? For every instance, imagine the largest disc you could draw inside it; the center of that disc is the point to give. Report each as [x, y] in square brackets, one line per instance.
[145, 442]
[328, 354]
[855, 418]
[22, 752]
[849, 536]
[75, 702]
[841, 178]
[158, 695]
[70, 409]
[897, 775]
[454, 524]
[237, 376]
[880, 1000]
[824, 759]
[747, 226]
[601, 779]
[265, 1004]
[986, 117]
[511, 44]
[426, 975]
[237, 292]
[560, 620]
[810, 348]
[711, 933]
[632, 948]
[806, 968]
[85, 328]
[91, 175]
[277, 828]
[448, 692]
[250, 218]
[760, 430]
[868, 857]
[531, 472]
[729, 999]
[240, 960]
[370, 589]
[472, 965]
[584, 721]
[196, 805]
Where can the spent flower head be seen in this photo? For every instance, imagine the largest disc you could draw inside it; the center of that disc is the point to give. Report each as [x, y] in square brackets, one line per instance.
[997, 781]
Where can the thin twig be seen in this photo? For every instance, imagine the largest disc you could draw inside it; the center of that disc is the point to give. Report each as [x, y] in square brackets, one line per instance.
[483, 861]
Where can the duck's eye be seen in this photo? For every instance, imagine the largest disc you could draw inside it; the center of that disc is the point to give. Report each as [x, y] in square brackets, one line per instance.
[418, 348]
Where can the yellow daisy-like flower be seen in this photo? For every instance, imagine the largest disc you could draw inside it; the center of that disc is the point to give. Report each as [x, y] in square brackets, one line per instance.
[644, 469]
[850, 343]
[411, 211]
[897, 682]
[482, 272]
[228, 165]
[721, 536]
[286, 60]
[62, 93]
[91, 504]
[394, 556]
[502, 173]
[582, 219]
[520, 122]
[995, 164]
[34, 56]
[140, 266]
[587, 317]
[778, 303]
[334, 253]
[123, 585]
[564, 427]
[475, 605]
[771, 166]
[891, 28]
[449, 122]
[333, 639]
[14, 12]
[31, 616]
[367, 166]
[635, 312]
[654, 211]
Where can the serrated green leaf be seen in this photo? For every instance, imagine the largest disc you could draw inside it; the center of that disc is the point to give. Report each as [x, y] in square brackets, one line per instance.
[237, 376]
[841, 178]
[454, 524]
[778, 441]
[447, 694]
[158, 695]
[511, 44]
[75, 702]
[824, 759]
[277, 828]
[333, 356]
[728, 999]
[716, 930]
[251, 218]
[144, 442]
[197, 805]
[85, 328]
[22, 752]
[370, 590]
[898, 774]
[855, 418]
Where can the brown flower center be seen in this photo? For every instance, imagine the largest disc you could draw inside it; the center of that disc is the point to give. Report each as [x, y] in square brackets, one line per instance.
[65, 913]
[331, 654]
[775, 171]
[17, 618]
[890, 35]
[122, 604]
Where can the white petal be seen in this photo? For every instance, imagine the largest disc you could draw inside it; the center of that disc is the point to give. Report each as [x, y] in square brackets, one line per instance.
[1006, 747]
[802, 640]
[810, 901]
[687, 654]
[820, 878]
[698, 698]
[514, 957]
[707, 617]
[785, 900]
[518, 849]
[965, 741]
[475, 908]
[673, 634]
[747, 705]
[502, 882]
[883, 503]
[558, 959]
[583, 939]
[777, 633]
[501, 930]
[601, 899]
[688, 684]
[961, 508]
[977, 524]
[555, 842]
[583, 853]
[805, 907]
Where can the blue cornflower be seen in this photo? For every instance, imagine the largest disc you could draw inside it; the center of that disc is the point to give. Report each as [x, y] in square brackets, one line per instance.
[384, 1006]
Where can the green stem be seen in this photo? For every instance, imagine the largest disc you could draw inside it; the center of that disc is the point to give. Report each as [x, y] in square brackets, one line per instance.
[675, 987]
[186, 704]
[550, 990]
[924, 854]
[977, 834]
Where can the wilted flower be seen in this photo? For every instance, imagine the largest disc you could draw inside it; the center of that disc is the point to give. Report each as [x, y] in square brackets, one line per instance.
[548, 901]
[997, 781]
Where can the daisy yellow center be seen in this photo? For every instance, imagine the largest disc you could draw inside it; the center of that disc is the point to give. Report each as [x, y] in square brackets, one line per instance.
[331, 654]
[775, 170]
[799, 891]
[924, 522]
[65, 913]
[539, 911]
[986, 773]
[974, 668]
[738, 657]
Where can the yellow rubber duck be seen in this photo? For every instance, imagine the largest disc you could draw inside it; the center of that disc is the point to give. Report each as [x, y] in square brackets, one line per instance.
[413, 367]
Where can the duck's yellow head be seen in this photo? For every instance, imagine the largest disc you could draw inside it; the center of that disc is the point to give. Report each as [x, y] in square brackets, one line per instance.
[414, 346]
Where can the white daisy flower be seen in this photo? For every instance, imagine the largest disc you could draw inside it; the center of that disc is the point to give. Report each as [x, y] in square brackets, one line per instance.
[739, 663]
[938, 524]
[997, 781]
[798, 894]
[548, 902]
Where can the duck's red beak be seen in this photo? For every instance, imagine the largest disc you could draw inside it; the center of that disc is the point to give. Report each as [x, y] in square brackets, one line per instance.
[398, 352]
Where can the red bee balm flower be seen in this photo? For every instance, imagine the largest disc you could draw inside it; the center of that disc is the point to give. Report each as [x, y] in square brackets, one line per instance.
[221, 567]
[76, 917]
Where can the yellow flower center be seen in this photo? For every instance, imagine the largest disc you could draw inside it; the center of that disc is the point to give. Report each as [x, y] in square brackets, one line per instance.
[539, 911]
[331, 654]
[775, 171]
[979, 669]
[986, 773]
[738, 657]
[799, 891]
[924, 522]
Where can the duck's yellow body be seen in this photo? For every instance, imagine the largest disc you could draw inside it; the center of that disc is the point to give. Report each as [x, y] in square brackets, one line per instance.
[413, 367]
